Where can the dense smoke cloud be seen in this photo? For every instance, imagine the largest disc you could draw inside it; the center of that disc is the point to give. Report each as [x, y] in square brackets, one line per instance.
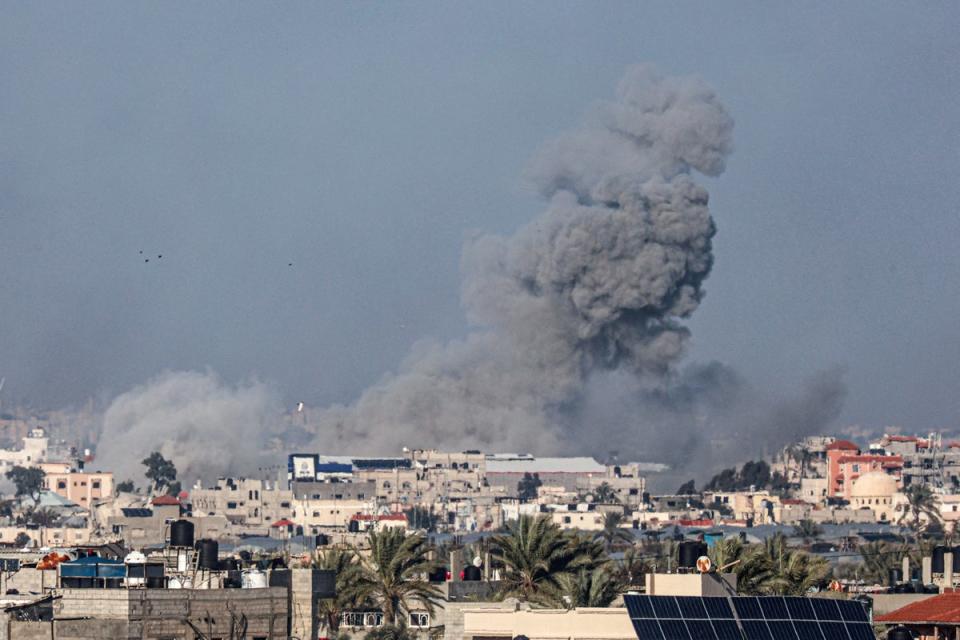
[599, 282]
[206, 427]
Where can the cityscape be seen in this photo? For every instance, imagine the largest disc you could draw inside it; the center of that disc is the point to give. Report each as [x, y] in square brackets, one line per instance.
[479, 321]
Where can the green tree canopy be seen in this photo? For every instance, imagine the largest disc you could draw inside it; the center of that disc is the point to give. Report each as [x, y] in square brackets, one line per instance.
[28, 481]
[161, 472]
[527, 487]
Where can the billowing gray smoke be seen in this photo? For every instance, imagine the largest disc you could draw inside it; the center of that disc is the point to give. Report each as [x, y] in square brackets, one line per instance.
[206, 427]
[599, 282]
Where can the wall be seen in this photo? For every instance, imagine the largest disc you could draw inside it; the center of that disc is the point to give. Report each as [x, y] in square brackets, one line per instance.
[542, 624]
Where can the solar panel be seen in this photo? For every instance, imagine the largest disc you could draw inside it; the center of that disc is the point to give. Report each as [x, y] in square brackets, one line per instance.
[639, 606]
[674, 629]
[701, 629]
[666, 607]
[800, 608]
[852, 611]
[747, 608]
[648, 629]
[691, 607]
[756, 630]
[860, 631]
[826, 609]
[718, 608]
[726, 630]
[757, 618]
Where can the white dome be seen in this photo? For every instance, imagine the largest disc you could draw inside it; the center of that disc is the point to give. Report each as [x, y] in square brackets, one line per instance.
[873, 484]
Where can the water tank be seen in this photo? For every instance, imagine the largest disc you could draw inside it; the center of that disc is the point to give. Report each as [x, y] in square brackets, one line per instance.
[181, 534]
[938, 552]
[136, 565]
[899, 633]
[180, 582]
[207, 550]
[690, 551]
[894, 576]
[438, 575]
[253, 579]
[230, 564]
[322, 539]
[956, 560]
[472, 574]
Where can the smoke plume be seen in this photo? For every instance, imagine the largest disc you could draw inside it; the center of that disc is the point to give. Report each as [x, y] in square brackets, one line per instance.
[599, 282]
[206, 427]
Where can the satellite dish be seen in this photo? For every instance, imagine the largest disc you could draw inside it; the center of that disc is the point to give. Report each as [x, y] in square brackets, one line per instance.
[703, 564]
[478, 562]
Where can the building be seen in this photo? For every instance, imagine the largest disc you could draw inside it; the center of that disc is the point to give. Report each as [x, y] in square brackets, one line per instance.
[875, 490]
[32, 452]
[483, 622]
[928, 619]
[81, 487]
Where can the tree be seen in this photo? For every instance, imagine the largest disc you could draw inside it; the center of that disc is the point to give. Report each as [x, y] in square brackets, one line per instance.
[527, 487]
[392, 576]
[604, 494]
[612, 531]
[688, 488]
[392, 632]
[793, 572]
[534, 554]
[43, 517]
[878, 558]
[807, 529]
[22, 540]
[126, 486]
[161, 472]
[632, 568]
[921, 501]
[346, 566]
[28, 480]
[589, 588]
[725, 480]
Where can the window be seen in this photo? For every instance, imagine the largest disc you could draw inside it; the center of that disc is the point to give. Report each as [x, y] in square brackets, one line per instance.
[231, 505]
[359, 496]
[285, 505]
[316, 514]
[95, 484]
[338, 496]
[419, 619]
[856, 468]
[566, 519]
[61, 484]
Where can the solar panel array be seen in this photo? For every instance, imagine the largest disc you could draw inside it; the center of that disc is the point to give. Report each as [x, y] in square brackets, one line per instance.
[747, 617]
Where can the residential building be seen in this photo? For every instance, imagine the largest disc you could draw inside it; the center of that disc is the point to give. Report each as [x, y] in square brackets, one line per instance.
[81, 487]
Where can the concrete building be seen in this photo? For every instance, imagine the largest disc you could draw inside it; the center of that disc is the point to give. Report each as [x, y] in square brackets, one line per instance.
[875, 491]
[81, 487]
[32, 451]
[491, 622]
[142, 527]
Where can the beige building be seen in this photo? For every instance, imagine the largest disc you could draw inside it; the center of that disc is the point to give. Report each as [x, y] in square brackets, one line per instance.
[314, 515]
[547, 624]
[760, 506]
[81, 487]
[875, 491]
[244, 502]
[32, 452]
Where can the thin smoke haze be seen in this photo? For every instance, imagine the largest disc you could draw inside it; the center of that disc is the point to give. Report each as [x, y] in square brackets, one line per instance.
[578, 322]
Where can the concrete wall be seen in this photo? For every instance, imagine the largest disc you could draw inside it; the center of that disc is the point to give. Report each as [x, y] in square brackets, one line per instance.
[161, 613]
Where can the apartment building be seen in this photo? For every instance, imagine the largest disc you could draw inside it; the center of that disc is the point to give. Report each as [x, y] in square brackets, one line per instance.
[248, 502]
[81, 487]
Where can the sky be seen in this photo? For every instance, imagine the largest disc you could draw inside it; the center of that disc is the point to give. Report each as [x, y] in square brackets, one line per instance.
[309, 173]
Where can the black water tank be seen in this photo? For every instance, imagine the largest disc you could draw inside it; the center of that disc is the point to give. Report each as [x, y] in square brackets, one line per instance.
[181, 534]
[229, 564]
[207, 550]
[894, 576]
[322, 539]
[938, 552]
[438, 575]
[899, 633]
[232, 580]
[690, 550]
[472, 574]
[245, 556]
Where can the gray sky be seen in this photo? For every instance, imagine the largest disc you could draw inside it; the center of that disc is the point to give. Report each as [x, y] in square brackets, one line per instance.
[361, 142]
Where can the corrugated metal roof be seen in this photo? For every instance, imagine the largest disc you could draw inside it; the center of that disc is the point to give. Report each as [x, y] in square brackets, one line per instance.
[545, 465]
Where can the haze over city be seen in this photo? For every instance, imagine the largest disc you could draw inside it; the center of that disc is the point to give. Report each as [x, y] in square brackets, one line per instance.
[206, 220]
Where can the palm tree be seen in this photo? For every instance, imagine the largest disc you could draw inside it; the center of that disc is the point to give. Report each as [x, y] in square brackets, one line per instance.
[753, 568]
[589, 588]
[790, 571]
[921, 501]
[393, 575]
[632, 568]
[879, 557]
[532, 556]
[391, 632]
[347, 567]
[612, 531]
[604, 494]
[807, 529]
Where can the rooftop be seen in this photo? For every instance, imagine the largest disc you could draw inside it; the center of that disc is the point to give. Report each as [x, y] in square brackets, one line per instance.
[941, 609]
[842, 445]
[544, 465]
